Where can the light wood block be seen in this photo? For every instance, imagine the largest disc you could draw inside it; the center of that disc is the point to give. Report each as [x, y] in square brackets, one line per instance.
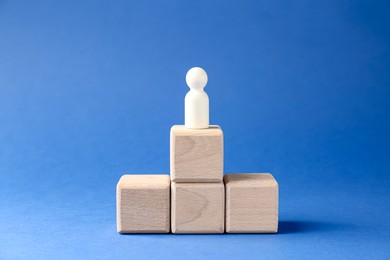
[143, 204]
[197, 207]
[196, 154]
[251, 203]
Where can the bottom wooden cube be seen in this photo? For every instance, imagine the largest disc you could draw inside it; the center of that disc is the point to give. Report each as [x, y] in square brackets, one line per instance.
[142, 203]
[197, 207]
[251, 203]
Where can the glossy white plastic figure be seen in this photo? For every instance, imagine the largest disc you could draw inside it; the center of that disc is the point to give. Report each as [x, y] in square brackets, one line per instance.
[196, 100]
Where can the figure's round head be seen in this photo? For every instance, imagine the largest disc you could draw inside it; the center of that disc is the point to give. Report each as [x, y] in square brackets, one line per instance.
[196, 78]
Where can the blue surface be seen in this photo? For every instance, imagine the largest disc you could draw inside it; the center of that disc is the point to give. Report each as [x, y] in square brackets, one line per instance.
[89, 91]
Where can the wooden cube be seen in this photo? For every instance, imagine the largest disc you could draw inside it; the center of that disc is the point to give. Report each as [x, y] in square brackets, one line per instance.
[143, 204]
[198, 207]
[196, 154]
[251, 203]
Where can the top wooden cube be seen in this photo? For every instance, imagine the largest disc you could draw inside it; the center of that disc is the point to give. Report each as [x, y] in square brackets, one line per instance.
[196, 154]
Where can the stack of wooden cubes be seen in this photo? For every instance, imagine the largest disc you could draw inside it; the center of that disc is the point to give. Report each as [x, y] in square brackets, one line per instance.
[197, 189]
[197, 198]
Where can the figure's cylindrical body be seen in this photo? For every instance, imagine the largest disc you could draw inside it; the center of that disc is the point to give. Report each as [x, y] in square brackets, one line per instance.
[196, 109]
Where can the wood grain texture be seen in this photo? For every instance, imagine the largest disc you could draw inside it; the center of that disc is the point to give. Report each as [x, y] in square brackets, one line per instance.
[251, 203]
[197, 207]
[196, 154]
[143, 204]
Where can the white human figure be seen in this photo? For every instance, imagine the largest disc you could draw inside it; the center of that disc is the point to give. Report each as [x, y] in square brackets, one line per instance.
[196, 100]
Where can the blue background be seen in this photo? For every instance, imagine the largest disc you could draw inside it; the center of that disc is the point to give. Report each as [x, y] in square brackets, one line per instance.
[89, 91]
